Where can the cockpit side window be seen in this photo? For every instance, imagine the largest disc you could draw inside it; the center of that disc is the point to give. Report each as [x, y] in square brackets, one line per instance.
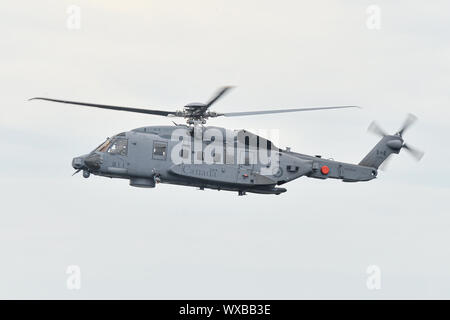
[119, 146]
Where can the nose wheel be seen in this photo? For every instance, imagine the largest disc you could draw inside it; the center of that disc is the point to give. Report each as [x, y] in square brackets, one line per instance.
[86, 174]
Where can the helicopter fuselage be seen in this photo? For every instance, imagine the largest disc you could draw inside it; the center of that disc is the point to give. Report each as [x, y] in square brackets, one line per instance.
[209, 157]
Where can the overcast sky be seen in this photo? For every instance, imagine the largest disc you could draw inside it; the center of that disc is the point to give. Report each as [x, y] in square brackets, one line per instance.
[316, 240]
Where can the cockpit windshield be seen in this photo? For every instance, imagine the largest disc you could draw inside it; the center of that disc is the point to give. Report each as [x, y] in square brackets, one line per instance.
[104, 146]
[115, 145]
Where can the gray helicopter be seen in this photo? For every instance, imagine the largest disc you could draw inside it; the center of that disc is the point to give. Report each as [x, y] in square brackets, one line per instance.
[217, 158]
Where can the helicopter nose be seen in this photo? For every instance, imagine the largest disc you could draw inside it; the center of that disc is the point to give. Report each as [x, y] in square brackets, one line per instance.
[78, 163]
[93, 161]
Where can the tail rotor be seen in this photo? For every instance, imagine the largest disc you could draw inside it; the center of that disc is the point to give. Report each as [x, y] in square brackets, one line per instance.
[390, 144]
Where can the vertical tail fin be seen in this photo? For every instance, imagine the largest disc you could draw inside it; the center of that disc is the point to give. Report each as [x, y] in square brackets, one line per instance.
[382, 150]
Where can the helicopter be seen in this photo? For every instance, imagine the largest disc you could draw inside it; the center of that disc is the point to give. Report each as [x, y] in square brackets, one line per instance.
[196, 155]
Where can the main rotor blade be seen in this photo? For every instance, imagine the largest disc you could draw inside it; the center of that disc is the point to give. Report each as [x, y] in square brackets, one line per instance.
[103, 106]
[250, 113]
[410, 119]
[217, 96]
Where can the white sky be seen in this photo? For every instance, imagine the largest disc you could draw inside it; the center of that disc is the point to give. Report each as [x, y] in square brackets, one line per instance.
[316, 240]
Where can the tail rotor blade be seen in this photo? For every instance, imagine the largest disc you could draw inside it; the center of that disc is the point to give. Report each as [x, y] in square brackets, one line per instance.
[416, 153]
[410, 119]
[76, 172]
[376, 129]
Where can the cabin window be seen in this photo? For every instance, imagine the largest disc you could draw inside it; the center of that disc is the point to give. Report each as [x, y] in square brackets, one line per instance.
[159, 150]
